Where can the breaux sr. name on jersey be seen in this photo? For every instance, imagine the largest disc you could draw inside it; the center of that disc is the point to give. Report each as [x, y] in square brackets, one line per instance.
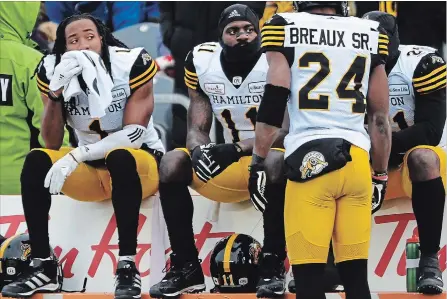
[328, 37]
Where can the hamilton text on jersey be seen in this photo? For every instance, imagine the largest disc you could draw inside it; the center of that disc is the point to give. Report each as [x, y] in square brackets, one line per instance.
[237, 100]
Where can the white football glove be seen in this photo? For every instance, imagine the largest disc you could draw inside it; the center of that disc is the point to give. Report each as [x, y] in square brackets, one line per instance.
[59, 172]
[63, 73]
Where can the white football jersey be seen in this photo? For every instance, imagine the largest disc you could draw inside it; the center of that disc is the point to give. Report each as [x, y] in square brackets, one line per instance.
[404, 86]
[130, 69]
[235, 100]
[330, 68]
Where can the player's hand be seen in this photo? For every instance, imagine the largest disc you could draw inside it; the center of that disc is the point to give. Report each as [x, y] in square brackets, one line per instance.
[221, 156]
[215, 159]
[200, 161]
[59, 172]
[379, 184]
[257, 182]
[63, 73]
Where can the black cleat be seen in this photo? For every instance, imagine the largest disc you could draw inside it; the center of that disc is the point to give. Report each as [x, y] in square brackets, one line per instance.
[430, 279]
[181, 278]
[42, 278]
[273, 277]
[128, 281]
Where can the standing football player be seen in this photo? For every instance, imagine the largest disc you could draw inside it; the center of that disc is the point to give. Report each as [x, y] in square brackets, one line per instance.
[417, 82]
[225, 79]
[323, 65]
[117, 155]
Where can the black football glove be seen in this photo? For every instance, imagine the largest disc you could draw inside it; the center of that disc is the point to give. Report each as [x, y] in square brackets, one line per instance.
[198, 155]
[257, 182]
[379, 184]
[216, 159]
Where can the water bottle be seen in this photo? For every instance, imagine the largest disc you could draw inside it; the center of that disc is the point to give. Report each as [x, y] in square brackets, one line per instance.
[412, 255]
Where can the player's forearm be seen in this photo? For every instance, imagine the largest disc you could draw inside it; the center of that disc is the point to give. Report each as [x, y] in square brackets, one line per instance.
[380, 133]
[247, 145]
[265, 135]
[279, 140]
[131, 136]
[53, 125]
[196, 137]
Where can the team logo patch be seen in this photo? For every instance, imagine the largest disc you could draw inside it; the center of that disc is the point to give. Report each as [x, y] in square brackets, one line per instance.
[237, 80]
[255, 250]
[26, 251]
[243, 281]
[146, 58]
[313, 163]
[437, 59]
[11, 271]
[215, 88]
[256, 87]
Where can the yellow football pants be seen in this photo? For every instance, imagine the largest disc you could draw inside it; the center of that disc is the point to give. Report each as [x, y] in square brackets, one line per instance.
[229, 186]
[90, 184]
[336, 205]
[399, 183]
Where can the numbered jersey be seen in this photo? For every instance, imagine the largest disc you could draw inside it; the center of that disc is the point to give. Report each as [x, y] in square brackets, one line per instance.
[131, 68]
[234, 100]
[419, 71]
[330, 58]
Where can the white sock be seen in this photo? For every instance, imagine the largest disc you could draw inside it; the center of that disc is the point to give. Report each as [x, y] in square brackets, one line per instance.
[130, 258]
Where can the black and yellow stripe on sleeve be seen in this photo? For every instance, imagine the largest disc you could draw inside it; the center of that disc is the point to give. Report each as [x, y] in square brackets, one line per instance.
[191, 79]
[383, 44]
[272, 36]
[433, 81]
[43, 87]
[144, 77]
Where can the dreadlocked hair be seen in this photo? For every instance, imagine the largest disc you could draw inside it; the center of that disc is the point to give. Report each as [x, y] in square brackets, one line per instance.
[107, 39]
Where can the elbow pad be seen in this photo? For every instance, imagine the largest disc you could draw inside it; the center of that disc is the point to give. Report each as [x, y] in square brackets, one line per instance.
[273, 104]
[131, 136]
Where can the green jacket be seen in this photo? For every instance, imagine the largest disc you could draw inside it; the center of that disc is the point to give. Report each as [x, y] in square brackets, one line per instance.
[21, 106]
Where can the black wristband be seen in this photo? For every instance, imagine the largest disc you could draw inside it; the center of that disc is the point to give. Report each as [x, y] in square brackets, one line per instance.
[255, 159]
[53, 97]
[273, 104]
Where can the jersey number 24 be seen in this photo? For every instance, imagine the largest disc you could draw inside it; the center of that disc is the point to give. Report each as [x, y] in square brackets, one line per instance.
[355, 72]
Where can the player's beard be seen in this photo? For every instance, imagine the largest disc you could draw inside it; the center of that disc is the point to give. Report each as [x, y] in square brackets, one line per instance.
[241, 51]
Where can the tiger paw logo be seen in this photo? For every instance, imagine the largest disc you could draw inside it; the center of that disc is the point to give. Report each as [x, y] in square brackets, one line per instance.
[255, 251]
[313, 163]
[26, 251]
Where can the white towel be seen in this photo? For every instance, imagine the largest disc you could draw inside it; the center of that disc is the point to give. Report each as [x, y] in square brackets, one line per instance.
[98, 81]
